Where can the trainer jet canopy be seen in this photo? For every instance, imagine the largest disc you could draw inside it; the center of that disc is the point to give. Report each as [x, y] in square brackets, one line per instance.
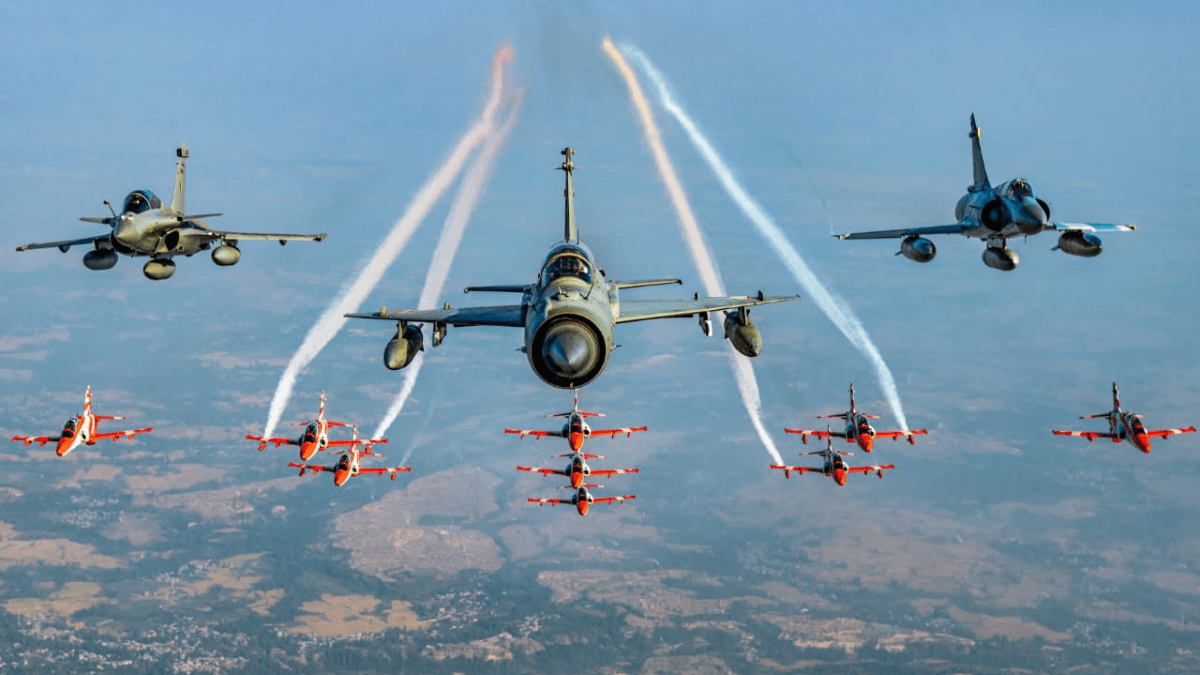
[81, 430]
[145, 227]
[858, 429]
[996, 214]
[1124, 426]
[569, 312]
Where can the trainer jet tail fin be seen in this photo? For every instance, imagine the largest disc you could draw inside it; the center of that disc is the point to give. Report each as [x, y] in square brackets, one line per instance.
[981, 177]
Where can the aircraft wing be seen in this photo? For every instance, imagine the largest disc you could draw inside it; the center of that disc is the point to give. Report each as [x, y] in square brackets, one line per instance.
[820, 434]
[607, 500]
[1090, 435]
[613, 472]
[499, 315]
[65, 244]
[315, 468]
[550, 500]
[897, 435]
[1092, 227]
[642, 310]
[612, 433]
[355, 441]
[379, 471]
[118, 435]
[40, 440]
[262, 442]
[536, 433]
[544, 472]
[787, 470]
[1166, 432]
[262, 236]
[871, 469]
[906, 232]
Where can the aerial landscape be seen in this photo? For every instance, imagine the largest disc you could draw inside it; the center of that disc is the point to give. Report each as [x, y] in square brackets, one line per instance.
[704, 252]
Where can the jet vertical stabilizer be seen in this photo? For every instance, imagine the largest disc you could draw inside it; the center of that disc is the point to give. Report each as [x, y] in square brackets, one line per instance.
[981, 177]
[180, 179]
[569, 232]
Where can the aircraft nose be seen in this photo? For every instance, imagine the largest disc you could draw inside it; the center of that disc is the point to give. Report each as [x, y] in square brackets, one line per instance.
[568, 352]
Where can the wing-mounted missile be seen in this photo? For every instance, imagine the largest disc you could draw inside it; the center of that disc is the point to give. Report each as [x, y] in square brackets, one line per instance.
[742, 333]
[403, 347]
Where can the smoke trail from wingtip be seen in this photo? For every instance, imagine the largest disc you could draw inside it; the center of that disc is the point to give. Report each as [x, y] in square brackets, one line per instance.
[710, 276]
[352, 296]
[473, 183]
[836, 309]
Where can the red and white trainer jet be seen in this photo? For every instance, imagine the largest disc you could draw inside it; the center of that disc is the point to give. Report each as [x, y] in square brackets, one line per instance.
[348, 464]
[314, 438]
[577, 470]
[576, 430]
[582, 499]
[1124, 426]
[835, 467]
[858, 429]
[81, 430]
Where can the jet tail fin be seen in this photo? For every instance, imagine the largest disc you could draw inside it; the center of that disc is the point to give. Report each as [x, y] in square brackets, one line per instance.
[1116, 397]
[981, 177]
[180, 179]
[570, 233]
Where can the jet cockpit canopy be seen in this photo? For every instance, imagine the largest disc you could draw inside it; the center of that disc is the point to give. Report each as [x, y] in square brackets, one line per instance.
[568, 260]
[1018, 189]
[141, 200]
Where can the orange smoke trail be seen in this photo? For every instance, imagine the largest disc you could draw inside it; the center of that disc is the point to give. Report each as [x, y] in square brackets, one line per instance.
[332, 320]
[710, 276]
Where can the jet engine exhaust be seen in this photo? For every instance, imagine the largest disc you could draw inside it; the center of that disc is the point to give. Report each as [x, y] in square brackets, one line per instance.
[473, 184]
[332, 320]
[710, 276]
[835, 308]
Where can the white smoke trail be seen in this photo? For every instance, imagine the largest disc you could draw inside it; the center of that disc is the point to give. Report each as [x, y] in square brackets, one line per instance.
[837, 309]
[710, 276]
[469, 191]
[332, 319]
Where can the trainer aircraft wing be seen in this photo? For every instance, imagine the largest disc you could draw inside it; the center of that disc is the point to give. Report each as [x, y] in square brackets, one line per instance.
[607, 500]
[1170, 432]
[40, 440]
[871, 469]
[787, 470]
[1090, 435]
[543, 471]
[1092, 227]
[536, 433]
[896, 435]
[499, 315]
[603, 473]
[612, 433]
[118, 435]
[315, 468]
[356, 441]
[906, 232]
[65, 244]
[262, 442]
[379, 471]
[821, 434]
[550, 500]
[642, 310]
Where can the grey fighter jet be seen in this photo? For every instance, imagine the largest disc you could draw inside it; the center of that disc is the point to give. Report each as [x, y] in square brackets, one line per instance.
[147, 228]
[569, 312]
[995, 214]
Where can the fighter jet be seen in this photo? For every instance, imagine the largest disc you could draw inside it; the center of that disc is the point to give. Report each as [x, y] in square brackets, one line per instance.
[577, 469]
[581, 499]
[81, 430]
[858, 429]
[1124, 426]
[569, 312]
[576, 430]
[315, 436]
[147, 228]
[996, 214]
[348, 464]
[835, 467]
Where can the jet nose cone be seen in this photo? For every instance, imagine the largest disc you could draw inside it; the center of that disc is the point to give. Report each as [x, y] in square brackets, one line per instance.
[125, 231]
[1030, 217]
[567, 352]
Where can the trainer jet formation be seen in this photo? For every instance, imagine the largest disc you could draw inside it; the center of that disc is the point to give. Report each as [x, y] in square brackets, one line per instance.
[835, 467]
[858, 429]
[147, 228]
[569, 313]
[996, 214]
[1124, 426]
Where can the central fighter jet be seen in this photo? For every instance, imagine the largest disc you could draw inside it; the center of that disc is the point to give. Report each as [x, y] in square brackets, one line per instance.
[568, 314]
